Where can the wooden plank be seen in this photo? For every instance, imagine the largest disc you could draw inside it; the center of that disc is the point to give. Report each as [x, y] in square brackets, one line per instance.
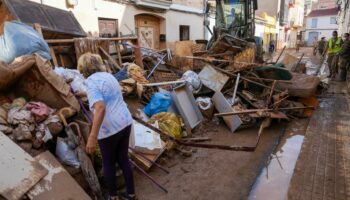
[19, 171]
[53, 55]
[55, 41]
[62, 60]
[119, 55]
[110, 59]
[58, 184]
[138, 55]
[37, 27]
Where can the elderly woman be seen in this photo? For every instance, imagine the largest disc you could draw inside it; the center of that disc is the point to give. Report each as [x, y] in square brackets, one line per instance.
[111, 124]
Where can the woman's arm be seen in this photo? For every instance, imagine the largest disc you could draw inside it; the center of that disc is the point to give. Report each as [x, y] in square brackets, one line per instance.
[99, 114]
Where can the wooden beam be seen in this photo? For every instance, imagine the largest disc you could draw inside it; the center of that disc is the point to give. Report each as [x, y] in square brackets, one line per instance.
[55, 41]
[53, 55]
[119, 54]
[138, 55]
[115, 64]
[37, 27]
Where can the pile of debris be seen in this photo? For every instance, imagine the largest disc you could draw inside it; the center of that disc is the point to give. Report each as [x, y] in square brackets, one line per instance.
[42, 109]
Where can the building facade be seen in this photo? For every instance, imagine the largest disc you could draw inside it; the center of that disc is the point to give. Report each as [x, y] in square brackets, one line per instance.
[295, 22]
[265, 28]
[321, 23]
[344, 16]
[155, 22]
[324, 4]
[278, 10]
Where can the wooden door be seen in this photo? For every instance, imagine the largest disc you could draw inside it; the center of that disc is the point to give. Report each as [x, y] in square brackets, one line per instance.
[148, 30]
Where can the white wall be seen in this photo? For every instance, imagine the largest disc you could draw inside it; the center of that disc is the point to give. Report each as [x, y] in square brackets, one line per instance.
[259, 30]
[87, 13]
[344, 19]
[173, 21]
[324, 27]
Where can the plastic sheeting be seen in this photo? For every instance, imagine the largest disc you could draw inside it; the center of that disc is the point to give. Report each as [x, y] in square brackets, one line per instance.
[160, 102]
[20, 39]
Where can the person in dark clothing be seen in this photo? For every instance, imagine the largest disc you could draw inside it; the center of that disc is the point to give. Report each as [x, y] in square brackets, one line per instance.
[321, 46]
[344, 57]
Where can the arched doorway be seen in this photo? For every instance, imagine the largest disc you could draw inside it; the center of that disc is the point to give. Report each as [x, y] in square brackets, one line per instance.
[148, 30]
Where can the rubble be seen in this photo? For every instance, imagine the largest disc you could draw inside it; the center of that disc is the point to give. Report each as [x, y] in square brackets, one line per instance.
[42, 104]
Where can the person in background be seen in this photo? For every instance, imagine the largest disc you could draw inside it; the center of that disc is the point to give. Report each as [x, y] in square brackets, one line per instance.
[297, 45]
[231, 19]
[272, 46]
[315, 46]
[344, 58]
[111, 124]
[333, 47]
[321, 46]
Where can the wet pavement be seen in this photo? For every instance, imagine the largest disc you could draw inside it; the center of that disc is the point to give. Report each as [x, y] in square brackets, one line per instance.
[279, 168]
[322, 170]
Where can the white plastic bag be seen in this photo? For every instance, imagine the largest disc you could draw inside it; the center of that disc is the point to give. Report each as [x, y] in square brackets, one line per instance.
[193, 79]
[204, 103]
[77, 79]
[66, 154]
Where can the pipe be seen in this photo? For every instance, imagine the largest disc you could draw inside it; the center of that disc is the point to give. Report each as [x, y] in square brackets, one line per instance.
[261, 110]
[148, 176]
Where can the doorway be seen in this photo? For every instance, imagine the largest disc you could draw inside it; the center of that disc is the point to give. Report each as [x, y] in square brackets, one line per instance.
[312, 36]
[148, 30]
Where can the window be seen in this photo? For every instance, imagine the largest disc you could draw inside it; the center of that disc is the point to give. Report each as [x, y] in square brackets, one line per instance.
[314, 23]
[333, 20]
[108, 27]
[184, 33]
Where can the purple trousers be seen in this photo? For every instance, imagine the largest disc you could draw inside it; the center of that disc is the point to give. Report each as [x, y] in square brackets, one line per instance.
[114, 149]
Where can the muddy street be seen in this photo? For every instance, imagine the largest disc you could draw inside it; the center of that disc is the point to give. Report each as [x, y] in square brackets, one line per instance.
[174, 100]
[216, 174]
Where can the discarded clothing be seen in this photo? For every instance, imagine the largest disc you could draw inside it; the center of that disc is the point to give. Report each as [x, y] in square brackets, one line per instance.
[39, 110]
[121, 74]
[135, 72]
[169, 123]
[19, 116]
[73, 77]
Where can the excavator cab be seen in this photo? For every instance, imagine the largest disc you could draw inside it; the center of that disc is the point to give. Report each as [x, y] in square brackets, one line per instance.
[237, 19]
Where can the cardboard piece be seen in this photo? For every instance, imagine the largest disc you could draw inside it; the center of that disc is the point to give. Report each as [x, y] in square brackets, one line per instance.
[19, 171]
[221, 105]
[57, 184]
[145, 140]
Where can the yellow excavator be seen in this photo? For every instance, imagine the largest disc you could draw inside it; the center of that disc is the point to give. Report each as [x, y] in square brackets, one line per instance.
[235, 18]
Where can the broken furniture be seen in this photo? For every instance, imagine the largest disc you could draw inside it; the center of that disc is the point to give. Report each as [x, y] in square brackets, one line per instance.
[187, 106]
[221, 104]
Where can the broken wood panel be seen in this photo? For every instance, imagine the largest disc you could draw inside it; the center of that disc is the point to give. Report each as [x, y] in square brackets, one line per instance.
[20, 171]
[57, 184]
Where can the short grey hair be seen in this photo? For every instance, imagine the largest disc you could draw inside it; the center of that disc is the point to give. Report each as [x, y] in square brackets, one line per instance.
[89, 64]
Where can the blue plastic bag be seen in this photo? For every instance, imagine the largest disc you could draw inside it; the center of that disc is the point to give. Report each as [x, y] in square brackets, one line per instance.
[160, 102]
[20, 39]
